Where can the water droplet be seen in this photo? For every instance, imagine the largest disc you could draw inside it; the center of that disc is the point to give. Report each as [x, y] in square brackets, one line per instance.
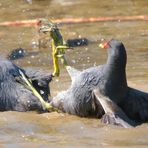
[73, 61]
[42, 92]
[29, 1]
[29, 62]
[82, 127]
[57, 80]
[32, 56]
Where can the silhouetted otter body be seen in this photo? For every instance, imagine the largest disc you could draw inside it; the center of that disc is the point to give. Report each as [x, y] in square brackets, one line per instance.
[14, 95]
[110, 80]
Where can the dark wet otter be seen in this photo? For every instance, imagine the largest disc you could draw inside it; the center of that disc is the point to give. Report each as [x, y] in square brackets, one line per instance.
[14, 95]
[110, 81]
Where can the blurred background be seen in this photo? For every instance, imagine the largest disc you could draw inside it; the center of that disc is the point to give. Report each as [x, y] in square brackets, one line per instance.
[24, 129]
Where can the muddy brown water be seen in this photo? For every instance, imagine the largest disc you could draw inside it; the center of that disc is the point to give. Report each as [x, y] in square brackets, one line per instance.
[61, 130]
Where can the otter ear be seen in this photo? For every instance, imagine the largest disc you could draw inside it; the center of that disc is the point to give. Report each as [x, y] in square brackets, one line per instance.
[72, 72]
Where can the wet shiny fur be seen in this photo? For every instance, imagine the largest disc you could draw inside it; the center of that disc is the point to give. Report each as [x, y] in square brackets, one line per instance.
[14, 95]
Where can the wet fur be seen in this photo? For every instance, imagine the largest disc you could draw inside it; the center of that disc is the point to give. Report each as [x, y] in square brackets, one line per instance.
[14, 95]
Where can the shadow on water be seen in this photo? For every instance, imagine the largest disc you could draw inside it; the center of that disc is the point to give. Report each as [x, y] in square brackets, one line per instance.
[62, 130]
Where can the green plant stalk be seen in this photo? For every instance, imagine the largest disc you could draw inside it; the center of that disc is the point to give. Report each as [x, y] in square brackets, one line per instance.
[45, 105]
[58, 50]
